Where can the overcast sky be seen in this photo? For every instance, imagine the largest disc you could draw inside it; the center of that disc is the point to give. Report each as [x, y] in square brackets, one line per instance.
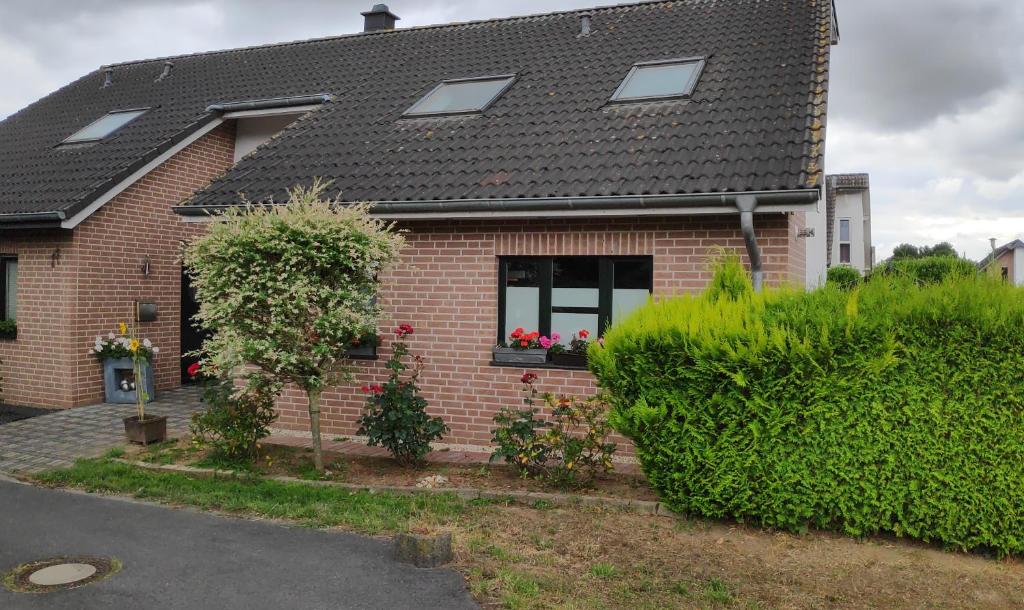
[926, 95]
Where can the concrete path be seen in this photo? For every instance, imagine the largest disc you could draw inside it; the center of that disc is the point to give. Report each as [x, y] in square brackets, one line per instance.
[57, 439]
[190, 560]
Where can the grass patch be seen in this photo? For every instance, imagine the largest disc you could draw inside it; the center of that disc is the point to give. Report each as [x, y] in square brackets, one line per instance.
[581, 557]
[313, 506]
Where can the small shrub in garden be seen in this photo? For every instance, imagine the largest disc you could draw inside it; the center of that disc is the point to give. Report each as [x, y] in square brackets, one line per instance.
[897, 407]
[395, 416]
[844, 278]
[517, 436]
[235, 419]
[569, 450]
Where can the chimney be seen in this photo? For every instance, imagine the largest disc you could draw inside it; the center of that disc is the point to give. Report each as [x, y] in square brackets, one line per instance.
[379, 18]
[108, 77]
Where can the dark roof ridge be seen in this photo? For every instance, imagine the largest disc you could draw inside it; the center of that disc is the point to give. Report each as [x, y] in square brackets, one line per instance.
[436, 26]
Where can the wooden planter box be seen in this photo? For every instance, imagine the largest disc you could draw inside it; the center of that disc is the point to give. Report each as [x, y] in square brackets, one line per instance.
[568, 359]
[508, 355]
[116, 369]
[153, 429]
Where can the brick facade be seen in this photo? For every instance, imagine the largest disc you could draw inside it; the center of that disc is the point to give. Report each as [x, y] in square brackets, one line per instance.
[64, 302]
[447, 285]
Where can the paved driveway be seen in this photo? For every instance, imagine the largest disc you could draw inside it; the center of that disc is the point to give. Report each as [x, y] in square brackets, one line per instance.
[190, 560]
[59, 438]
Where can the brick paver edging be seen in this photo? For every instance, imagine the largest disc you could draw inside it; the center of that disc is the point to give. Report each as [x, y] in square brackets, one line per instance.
[646, 507]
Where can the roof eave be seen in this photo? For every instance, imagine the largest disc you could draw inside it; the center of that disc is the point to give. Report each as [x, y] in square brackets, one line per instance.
[693, 203]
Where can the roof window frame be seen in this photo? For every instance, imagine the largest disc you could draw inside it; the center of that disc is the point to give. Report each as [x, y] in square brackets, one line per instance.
[69, 140]
[691, 85]
[411, 113]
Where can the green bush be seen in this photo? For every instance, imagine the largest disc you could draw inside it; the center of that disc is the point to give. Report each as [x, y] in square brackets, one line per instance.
[845, 278]
[235, 420]
[896, 407]
[930, 269]
[395, 416]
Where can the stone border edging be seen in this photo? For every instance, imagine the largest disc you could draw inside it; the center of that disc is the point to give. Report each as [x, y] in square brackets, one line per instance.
[646, 507]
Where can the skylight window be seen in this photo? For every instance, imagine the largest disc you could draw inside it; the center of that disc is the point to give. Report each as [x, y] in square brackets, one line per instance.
[659, 80]
[461, 96]
[104, 126]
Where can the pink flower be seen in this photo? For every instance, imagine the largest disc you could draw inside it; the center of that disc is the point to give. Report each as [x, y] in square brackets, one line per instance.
[555, 337]
[545, 342]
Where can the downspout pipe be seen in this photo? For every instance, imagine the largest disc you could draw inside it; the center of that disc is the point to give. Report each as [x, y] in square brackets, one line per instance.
[746, 204]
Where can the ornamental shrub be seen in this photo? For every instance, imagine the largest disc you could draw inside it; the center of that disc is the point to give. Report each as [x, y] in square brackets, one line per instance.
[235, 419]
[844, 278]
[395, 416]
[897, 407]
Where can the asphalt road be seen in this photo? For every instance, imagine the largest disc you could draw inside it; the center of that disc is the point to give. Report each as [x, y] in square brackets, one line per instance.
[186, 559]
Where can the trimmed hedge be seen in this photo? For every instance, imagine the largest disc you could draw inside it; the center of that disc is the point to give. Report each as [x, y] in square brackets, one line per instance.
[930, 269]
[896, 407]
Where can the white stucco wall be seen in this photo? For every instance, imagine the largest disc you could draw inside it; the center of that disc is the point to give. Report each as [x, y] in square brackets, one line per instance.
[251, 132]
[816, 248]
[850, 206]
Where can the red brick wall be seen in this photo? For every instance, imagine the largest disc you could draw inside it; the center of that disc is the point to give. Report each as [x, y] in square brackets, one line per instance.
[36, 367]
[64, 304]
[446, 286]
[111, 245]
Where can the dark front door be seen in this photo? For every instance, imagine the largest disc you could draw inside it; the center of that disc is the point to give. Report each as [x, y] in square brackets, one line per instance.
[191, 337]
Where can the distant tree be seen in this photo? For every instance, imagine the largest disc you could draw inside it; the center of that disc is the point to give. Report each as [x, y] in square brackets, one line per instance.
[906, 251]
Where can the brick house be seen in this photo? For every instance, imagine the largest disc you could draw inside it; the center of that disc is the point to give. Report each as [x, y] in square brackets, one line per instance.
[551, 171]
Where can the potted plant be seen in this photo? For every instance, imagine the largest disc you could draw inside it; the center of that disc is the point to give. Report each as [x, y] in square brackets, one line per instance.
[8, 329]
[522, 348]
[128, 377]
[575, 354]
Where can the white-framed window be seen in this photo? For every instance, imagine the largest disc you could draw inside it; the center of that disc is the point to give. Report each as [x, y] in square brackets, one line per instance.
[845, 246]
[660, 80]
[462, 96]
[104, 126]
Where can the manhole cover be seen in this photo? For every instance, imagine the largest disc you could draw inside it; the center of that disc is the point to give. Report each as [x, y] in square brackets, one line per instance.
[59, 573]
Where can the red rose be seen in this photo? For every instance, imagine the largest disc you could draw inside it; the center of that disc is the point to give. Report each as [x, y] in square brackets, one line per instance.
[194, 369]
[377, 389]
[529, 378]
[584, 334]
[403, 330]
[366, 389]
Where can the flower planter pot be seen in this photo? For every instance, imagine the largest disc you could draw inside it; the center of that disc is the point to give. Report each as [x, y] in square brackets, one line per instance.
[116, 369]
[153, 429]
[508, 355]
[568, 359]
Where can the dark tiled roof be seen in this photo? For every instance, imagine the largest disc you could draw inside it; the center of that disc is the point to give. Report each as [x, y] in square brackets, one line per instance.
[756, 120]
[834, 184]
[1016, 244]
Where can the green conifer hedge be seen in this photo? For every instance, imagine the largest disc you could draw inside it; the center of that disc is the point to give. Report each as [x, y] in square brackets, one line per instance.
[895, 407]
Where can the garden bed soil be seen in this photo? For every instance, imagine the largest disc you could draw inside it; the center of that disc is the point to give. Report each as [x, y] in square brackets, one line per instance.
[280, 460]
[12, 413]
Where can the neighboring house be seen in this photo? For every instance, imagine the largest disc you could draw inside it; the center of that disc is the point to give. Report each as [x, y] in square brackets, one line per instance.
[1008, 262]
[848, 212]
[551, 171]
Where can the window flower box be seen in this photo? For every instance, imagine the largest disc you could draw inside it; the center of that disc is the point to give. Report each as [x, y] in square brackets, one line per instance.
[569, 359]
[513, 355]
[523, 348]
